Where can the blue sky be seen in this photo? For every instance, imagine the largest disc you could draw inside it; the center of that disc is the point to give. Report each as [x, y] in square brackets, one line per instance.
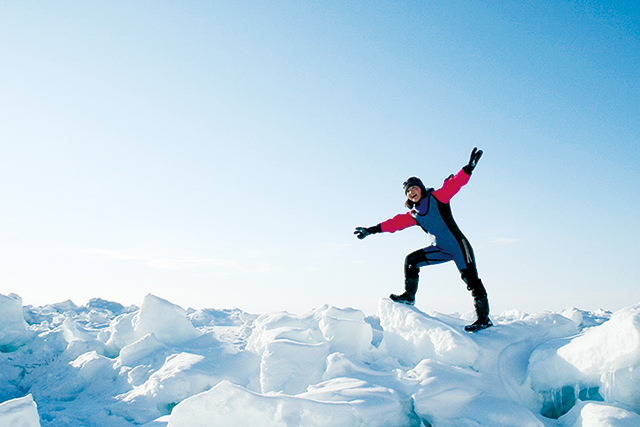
[220, 154]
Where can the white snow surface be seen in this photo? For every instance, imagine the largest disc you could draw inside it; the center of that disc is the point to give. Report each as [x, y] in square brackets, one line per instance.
[160, 365]
[20, 412]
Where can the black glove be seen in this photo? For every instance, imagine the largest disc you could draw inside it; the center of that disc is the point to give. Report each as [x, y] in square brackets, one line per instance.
[473, 160]
[362, 232]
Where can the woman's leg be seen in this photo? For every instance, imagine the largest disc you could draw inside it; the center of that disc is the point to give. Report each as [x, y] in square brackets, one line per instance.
[480, 300]
[474, 284]
[412, 263]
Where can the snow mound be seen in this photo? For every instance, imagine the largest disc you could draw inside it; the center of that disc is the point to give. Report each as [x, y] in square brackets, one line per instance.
[413, 336]
[13, 328]
[167, 321]
[161, 365]
[334, 404]
[21, 412]
[602, 362]
[294, 349]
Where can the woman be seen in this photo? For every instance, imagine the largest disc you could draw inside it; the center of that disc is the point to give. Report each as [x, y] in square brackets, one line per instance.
[430, 209]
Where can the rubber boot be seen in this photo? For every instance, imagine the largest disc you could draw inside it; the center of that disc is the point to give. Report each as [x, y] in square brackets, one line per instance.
[409, 295]
[482, 311]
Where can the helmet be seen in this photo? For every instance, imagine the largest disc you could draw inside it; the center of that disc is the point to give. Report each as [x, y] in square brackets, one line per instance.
[412, 182]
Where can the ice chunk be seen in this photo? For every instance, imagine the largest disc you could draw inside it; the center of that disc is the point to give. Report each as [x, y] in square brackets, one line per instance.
[341, 366]
[586, 319]
[183, 375]
[167, 321]
[442, 388]
[599, 415]
[293, 351]
[137, 352]
[224, 317]
[230, 405]
[112, 307]
[451, 396]
[346, 330]
[65, 381]
[290, 367]
[411, 336]
[610, 347]
[605, 357]
[490, 411]
[93, 366]
[375, 405]
[21, 412]
[13, 328]
[284, 326]
[548, 326]
[177, 379]
[72, 332]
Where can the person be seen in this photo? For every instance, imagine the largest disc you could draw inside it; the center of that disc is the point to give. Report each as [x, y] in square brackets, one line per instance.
[431, 210]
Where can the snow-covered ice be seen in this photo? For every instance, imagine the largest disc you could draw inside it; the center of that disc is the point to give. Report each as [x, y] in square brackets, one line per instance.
[20, 412]
[14, 330]
[161, 365]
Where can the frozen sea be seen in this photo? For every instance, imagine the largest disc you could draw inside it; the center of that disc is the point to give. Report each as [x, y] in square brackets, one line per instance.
[160, 365]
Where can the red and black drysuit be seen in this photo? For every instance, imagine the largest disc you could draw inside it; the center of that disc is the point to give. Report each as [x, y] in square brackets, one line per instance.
[433, 215]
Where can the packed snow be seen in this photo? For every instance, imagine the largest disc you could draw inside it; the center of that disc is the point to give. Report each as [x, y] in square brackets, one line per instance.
[159, 365]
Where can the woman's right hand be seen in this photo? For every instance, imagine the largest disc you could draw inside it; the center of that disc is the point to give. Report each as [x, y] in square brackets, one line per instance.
[362, 232]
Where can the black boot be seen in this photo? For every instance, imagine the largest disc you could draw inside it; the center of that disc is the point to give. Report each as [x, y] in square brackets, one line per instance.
[409, 295]
[482, 311]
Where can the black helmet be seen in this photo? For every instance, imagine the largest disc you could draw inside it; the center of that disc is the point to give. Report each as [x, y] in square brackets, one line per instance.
[411, 182]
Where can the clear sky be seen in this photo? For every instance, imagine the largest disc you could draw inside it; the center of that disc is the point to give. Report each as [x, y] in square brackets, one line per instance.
[220, 153]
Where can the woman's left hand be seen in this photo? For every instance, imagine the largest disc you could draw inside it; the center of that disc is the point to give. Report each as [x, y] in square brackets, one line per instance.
[473, 160]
